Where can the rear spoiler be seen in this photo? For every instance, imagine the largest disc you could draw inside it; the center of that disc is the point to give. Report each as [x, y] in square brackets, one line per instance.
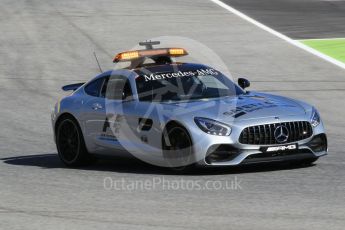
[72, 86]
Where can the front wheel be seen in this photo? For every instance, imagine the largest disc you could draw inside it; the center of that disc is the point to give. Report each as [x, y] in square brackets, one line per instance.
[178, 148]
[70, 144]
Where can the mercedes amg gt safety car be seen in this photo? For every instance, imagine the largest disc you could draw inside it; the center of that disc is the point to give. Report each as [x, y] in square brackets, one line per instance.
[175, 114]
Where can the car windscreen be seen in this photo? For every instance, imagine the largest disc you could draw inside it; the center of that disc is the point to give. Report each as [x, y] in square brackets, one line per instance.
[185, 85]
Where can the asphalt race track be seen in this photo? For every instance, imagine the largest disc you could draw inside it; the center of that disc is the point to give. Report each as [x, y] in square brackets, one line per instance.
[298, 19]
[46, 44]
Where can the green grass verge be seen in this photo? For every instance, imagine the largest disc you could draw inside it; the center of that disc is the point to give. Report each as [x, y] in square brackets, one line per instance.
[334, 48]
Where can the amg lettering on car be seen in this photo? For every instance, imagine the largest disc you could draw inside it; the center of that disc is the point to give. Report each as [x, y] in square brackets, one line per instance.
[281, 148]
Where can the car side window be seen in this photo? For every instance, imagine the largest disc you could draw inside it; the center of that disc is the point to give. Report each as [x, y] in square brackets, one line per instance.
[117, 88]
[94, 87]
[104, 86]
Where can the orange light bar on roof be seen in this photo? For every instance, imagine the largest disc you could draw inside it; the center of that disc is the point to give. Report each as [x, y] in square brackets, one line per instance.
[136, 54]
[177, 51]
[153, 52]
[129, 55]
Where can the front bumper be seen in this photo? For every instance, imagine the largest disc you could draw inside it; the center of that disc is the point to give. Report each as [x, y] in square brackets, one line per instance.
[227, 154]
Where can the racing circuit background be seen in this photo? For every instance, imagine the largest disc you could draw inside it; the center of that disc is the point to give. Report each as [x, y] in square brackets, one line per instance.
[47, 44]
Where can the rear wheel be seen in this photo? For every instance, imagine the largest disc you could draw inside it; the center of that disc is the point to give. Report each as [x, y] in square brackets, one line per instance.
[70, 143]
[178, 148]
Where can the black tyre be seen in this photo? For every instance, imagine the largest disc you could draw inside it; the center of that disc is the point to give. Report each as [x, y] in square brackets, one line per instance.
[178, 148]
[70, 144]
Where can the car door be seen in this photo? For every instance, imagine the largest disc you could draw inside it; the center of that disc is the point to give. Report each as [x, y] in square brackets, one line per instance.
[116, 91]
[121, 124]
[138, 131]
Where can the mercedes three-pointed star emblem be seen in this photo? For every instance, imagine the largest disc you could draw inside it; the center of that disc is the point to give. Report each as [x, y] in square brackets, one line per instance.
[281, 134]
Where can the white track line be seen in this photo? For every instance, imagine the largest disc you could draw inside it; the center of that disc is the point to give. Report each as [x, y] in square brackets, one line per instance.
[279, 35]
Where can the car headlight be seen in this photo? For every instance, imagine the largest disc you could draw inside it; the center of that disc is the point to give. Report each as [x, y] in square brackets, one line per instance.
[315, 118]
[212, 127]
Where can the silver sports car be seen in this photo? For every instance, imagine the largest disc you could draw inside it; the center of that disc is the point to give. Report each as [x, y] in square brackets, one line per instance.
[175, 114]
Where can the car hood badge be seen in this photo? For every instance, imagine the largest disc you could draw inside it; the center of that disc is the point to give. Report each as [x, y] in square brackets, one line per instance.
[281, 134]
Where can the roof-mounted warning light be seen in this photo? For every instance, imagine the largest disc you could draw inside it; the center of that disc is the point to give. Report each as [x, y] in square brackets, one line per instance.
[149, 52]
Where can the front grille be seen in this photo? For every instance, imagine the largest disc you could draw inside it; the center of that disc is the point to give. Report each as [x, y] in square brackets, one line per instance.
[264, 134]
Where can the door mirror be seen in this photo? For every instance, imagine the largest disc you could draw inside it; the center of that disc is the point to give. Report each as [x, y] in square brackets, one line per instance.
[243, 83]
